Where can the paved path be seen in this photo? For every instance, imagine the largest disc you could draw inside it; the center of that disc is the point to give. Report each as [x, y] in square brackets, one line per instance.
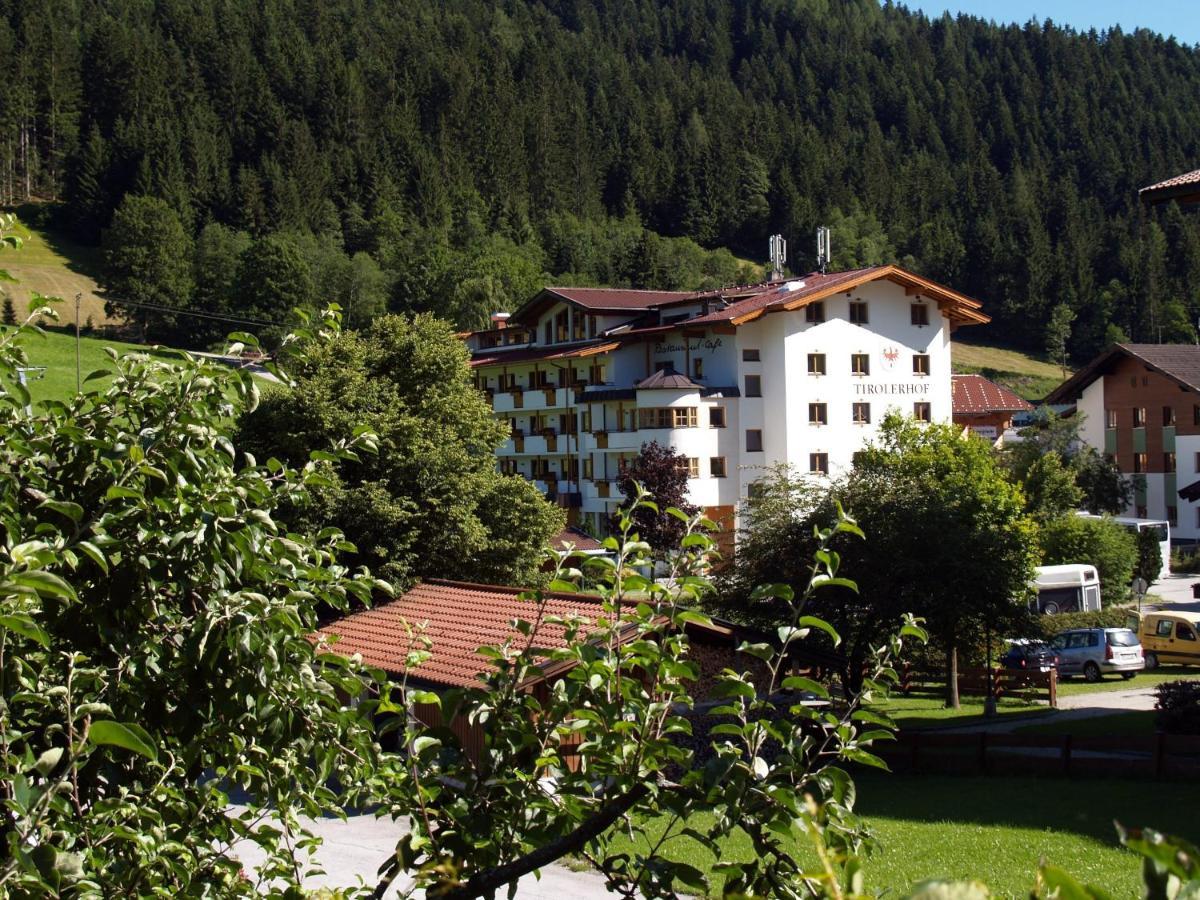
[354, 849]
[1176, 592]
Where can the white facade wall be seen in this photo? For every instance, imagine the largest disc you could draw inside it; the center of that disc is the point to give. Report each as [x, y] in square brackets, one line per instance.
[1091, 406]
[1187, 472]
[783, 341]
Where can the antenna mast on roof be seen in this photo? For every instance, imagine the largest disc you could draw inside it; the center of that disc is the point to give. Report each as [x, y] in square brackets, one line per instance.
[824, 251]
[778, 255]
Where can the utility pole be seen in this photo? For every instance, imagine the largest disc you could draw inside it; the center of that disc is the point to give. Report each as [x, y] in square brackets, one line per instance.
[78, 381]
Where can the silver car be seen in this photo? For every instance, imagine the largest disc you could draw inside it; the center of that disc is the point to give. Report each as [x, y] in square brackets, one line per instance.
[1092, 652]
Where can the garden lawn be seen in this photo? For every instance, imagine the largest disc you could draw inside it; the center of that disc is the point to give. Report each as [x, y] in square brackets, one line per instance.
[56, 352]
[996, 829]
[1136, 723]
[927, 709]
[1072, 686]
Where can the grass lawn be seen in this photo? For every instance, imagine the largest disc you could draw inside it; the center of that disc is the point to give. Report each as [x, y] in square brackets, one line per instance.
[56, 351]
[925, 709]
[1137, 723]
[996, 829]
[54, 266]
[1028, 376]
[1073, 686]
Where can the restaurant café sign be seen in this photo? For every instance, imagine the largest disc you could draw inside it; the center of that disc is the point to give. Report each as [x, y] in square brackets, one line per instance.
[711, 343]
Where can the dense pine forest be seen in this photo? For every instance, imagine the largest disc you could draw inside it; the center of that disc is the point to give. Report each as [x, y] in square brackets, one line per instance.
[454, 155]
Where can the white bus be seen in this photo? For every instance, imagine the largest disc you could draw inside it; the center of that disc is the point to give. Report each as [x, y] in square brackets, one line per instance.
[1069, 588]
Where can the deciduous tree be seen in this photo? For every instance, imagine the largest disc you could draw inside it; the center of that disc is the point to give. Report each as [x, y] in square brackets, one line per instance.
[663, 472]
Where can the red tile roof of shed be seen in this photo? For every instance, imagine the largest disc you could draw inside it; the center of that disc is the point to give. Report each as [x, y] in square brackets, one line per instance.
[459, 618]
[1186, 178]
[975, 395]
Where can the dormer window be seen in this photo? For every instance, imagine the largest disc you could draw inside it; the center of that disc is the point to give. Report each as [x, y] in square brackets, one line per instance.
[858, 312]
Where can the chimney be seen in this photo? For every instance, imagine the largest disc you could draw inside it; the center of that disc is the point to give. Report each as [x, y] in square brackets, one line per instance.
[500, 320]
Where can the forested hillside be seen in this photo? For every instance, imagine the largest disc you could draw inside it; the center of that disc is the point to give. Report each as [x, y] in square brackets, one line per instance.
[456, 154]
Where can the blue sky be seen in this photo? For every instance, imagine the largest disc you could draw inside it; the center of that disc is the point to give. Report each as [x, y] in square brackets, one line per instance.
[1178, 17]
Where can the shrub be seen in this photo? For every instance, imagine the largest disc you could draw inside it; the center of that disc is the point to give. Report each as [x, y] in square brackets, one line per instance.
[1112, 617]
[1177, 707]
[1098, 542]
[1186, 563]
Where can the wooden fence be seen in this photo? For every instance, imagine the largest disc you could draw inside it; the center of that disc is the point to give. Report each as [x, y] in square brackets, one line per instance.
[983, 753]
[1023, 683]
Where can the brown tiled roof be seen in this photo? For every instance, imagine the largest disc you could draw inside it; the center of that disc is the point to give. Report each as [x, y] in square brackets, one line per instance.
[667, 380]
[1179, 362]
[976, 395]
[580, 540]
[459, 618]
[800, 292]
[620, 298]
[1182, 186]
[495, 356]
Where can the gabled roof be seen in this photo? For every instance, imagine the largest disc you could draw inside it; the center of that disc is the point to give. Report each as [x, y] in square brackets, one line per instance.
[458, 619]
[1179, 362]
[667, 380]
[975, 395]
[1184, 188]
[494, 356]
[816, 286]
[621, 299]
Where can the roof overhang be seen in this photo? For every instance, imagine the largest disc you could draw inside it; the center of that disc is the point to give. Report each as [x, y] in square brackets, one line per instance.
[959, 308]
[1072, 389]
[546, 354]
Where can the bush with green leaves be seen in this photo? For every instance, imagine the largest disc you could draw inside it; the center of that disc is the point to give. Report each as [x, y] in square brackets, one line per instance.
[1102, 543]
[1109, 617]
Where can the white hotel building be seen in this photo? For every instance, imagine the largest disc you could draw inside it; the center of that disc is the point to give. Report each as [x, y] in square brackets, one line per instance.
[798, 371]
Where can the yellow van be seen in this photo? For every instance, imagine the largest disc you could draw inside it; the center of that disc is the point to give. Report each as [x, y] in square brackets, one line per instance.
[1170, 638]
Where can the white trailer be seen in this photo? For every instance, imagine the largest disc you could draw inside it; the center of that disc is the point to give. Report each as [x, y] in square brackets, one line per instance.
[1069, 588]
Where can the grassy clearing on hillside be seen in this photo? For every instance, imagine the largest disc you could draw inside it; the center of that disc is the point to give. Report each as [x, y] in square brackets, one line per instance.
[996, 829]
[1024, 375]
[54, 266]
[56, 351]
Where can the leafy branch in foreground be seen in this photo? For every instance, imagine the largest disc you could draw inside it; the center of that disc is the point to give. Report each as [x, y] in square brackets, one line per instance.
[569, 762]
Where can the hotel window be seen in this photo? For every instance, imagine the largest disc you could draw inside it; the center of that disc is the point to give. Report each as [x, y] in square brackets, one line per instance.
[860, 364]
[716, 466]
[1168, 462]
[818, 463]
[816, 364]
[667, 417]
[1139, 417]
[922, 412]
[1172, 516]
[818, 414]
[691, 465]
[585, 420]
[591, 326]
[861, 413]
[1197, 461]
[751, 356]
[1196, 415]
[753, 385]
[549, 339]
[508, 381]
[920, 363]
[716, 417]
[1168, 416]
[858, 312]
[1110, 418]
[754, 440]
[920, 314]
[596, 374]
[1198, 516]
[577, 328]
[587, 468]
[697, 368]
[815, 312]
[1139, 462]
[684, 417]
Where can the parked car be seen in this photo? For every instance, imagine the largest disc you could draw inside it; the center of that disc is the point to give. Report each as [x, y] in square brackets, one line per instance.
[1168, 637]
[1092, 652]
[1033, 656]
